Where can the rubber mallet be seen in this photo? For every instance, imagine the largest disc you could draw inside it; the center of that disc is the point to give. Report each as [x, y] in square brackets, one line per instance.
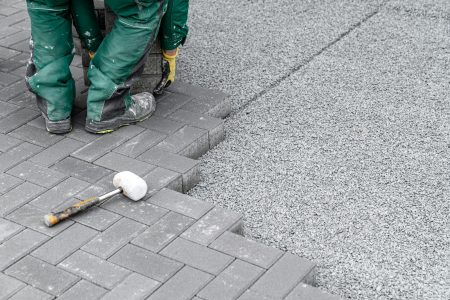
[131, 185]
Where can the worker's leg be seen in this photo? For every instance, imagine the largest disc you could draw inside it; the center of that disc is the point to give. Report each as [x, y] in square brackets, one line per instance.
[85, 21]
[173, 31]
[117, 64]
[48, 74]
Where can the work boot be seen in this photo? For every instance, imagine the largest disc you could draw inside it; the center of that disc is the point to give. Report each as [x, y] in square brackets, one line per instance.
[168, 66]
[57, 127]
[142, 107]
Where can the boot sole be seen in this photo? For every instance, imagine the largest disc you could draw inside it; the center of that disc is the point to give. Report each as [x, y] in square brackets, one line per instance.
[113, 128]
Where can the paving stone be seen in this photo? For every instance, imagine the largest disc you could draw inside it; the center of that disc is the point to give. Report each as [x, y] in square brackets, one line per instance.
[211, 225]
[59, 194]
[12, 91]
[8, 182]
[8, 229]
[26, 99]
[304, 291]
[146, 263]
[232, 282]
[101, 187]
[56, 152]
[97, 218]
[14, 18]
[169, 103]
[94, 269]
[81, 169]
[30, 293]
[83, 290]
[18, 246]
[140, 143]
[42, 275]
[118, 162]
[188, 141]
[115, 237]
[181, 203]
[140, 211]
[9, 286]
[6, 11]
[163, 232]
[64, 244]
[214, 126]
[217, 107]
[162, 125]
[183, 286]
[36, 174]
[36, 136]
[15, 38]
[279, 280]
[8, 66]
[6, 53]
[247, 250]
[18, 197]
[7, 108]
[80, 134]
[17, 155]
[7, 79]
[7, 142]
[20, 72]
[197, 256]
[134, 287]
[106, 143]
[16, 119]
[33, 218]
[251, 295]
[162, 178]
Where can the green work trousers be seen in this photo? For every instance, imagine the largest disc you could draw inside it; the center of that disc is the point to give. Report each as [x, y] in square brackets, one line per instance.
[174, 27]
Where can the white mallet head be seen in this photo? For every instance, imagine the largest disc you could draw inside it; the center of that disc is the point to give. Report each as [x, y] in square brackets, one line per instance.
[133, 186]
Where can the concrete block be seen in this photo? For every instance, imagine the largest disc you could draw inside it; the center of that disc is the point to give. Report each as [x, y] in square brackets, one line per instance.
[36, 174]
[169, 103]
[8, 229]
[30, 293]
[247, 250]
[9, 286]
[119, 162]
[7, 142]
[304, 291]
[183, 286]
[10, 92]
[18, 246]
[56, 152]
[181, 203]
[211, 226]
[146, 263]
[145, 83]
[134, 287]
[101, 187]
[188, 141]
[7, 108]
[83, 290]
[94, 269]
[18, 197]
[17, 155]
[162, 125]
[279, 280]
[6, 53]
[251, 295]
[140, 143]
[64, 244]
[162, 178]
[197, 256]
[216, 108]
[163, 232]
[81, 169]
[232, 282]
[153, 64]
[97, 218]
[16, 119]
[8, 182]
[115, 237]
[42, 275]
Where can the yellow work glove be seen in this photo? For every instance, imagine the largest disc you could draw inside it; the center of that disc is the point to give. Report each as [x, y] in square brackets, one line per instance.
[168, 72]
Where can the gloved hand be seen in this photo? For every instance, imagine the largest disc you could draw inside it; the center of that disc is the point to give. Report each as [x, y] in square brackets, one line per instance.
[168, 72]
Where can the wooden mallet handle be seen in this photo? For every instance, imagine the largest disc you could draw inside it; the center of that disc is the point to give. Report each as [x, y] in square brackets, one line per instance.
[54, 218]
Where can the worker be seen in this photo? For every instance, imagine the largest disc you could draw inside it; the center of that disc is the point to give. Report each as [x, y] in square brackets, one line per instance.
[118, 61]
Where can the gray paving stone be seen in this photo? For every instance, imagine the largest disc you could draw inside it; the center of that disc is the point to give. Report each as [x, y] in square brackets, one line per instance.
[211, 226]
[80, 134]
[141, 211]
[97, 218]
[119, 162]
[18, 197]
[183, 286]
[169, 103]
[33, 218]
[9, 286]
[83, 290]
[279, 280]
[7, 108]
[13, 18]
[6, 53]
[163, 232]
[304, 291]
[15, 38]
[197, 256]
[30, 293]
[25, 99]
[12, 91]
[17, 155]
[218, 106]
[140, 143]
[64, 244]
[6, 11]
[8, 66]
[7, 142]
[162, 125]
[8, 182]
[59, 194]
[162, 178]
[8, 229]
[115, 237]
[17, 119]
[18, 246]
[56, 152]
[81, 169]
[36, 135]
[251, 295]
[36, 174]
[94, 269]
[42, 275]
[101, 187]
[7, 79]
[134, 287]
[181, 203]
[232, 282]
[146, 263]
[188, 141]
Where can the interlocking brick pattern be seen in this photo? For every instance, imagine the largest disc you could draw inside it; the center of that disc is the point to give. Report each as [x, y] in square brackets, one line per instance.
[168, 246]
